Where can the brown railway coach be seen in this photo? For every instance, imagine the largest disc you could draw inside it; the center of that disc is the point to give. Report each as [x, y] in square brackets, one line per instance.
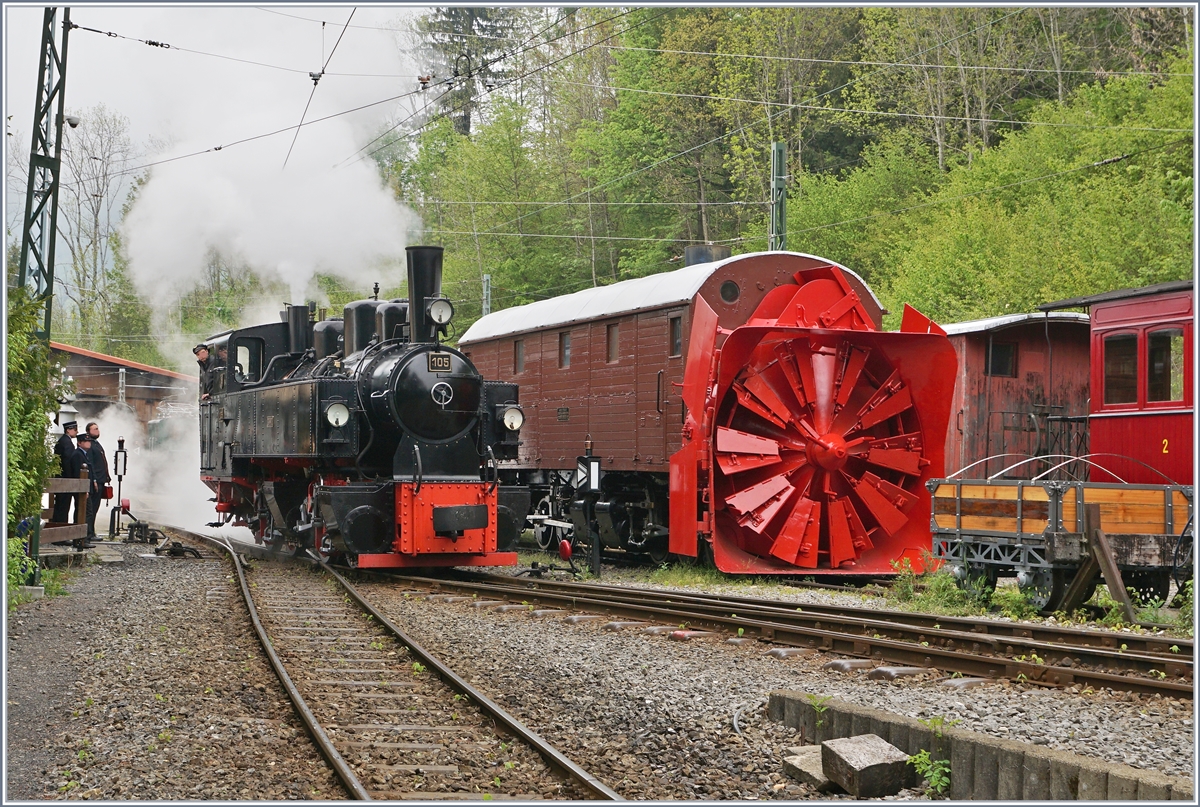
[608, 362]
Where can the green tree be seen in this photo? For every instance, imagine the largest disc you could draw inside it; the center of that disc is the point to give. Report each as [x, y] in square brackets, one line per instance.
[34, 389]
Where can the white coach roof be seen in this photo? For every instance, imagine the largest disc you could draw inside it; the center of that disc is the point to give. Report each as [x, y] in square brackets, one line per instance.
[995, 323]
[653, 291]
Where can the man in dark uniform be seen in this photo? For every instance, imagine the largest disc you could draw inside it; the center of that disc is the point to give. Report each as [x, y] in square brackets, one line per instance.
[79, 460]
[64, 448]
[201, 353]
[98, 464]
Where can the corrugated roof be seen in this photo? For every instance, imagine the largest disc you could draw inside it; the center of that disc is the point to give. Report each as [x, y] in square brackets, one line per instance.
[91, 354]
[996, 323]
[654, 291]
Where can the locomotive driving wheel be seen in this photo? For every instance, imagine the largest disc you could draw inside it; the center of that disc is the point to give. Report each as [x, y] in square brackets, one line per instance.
[819, 450]
[546, 536]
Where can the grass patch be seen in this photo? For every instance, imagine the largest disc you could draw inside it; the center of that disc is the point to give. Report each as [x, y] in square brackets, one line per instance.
[934, 592]
[677, 574]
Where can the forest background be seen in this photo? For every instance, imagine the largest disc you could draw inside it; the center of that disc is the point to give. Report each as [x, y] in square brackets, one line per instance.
[968, 161]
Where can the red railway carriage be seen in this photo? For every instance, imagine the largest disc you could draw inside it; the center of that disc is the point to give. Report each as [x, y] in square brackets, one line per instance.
[1140, 414]
[801, 437]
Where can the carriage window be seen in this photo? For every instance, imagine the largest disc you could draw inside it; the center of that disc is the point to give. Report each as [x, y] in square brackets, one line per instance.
[1003, 360]
[676, 347]
[564, 350]
[1120, 368]
[519, 356]
[613, 340]
[1165, 365]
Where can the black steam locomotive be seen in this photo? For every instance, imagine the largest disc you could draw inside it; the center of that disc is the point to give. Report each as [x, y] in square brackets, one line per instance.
[363, 437]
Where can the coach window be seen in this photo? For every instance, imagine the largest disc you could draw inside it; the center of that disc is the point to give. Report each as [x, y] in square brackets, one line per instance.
[676, 337]
[1164, 380]
[564, 350]
[1003, 360]
[1120, 368]
[518, 355]
[612, 338]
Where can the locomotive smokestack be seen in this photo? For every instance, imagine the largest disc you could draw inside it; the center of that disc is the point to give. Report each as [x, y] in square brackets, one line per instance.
[424, 284]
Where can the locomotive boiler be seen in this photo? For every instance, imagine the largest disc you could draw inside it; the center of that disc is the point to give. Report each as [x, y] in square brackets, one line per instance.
[750, 410]
[364, 437]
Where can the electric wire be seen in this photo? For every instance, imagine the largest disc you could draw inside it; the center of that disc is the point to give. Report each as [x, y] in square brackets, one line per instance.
[914, 115]
[315, 79]
[866, 63]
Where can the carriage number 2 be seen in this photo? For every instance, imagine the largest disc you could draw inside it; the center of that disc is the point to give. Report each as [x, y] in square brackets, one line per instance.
[1165, 446]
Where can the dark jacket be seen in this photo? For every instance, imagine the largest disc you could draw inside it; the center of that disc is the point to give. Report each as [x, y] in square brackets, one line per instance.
[76, 462]
[64, 448]
[98, 464]
[206, 376]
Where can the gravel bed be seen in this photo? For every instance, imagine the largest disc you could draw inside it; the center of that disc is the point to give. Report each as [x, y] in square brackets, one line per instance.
[660, 713]
[146, 682]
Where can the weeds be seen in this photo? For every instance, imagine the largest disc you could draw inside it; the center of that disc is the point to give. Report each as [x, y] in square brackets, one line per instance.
[1186, 599]
[934, 771]
[937, 723]
[1013, 603]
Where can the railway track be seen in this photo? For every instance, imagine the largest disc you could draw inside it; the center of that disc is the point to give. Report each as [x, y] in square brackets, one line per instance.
[974, 647]
[392, 720]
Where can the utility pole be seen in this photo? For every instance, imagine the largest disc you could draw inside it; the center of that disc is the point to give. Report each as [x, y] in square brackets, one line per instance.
[778, 235]
[487, 295]
[40, 228]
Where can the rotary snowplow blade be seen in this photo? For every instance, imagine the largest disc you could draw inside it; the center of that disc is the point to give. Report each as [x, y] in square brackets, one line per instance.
[822, 440]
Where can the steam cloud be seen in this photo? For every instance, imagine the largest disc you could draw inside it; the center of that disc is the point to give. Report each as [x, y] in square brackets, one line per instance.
[327, 211]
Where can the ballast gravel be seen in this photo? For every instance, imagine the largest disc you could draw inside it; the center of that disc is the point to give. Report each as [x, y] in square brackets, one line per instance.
[669, 706]
[146, 682]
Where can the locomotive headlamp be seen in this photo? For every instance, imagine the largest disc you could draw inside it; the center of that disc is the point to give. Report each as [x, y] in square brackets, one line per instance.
[513, 418]
[440, 310]
[338, 414]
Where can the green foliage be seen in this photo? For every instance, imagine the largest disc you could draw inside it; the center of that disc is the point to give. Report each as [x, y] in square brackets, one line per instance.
[904, 586]
[1114, 614]
[937, 723]
[34, 389]
[19, 567]
[1013, 603]
[934, 771]
[1186, 619]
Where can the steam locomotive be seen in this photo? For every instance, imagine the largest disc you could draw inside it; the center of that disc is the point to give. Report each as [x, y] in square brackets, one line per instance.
[364, 437]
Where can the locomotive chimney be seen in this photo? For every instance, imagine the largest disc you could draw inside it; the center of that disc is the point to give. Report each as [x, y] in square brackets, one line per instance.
[424, 284]
[299, 328]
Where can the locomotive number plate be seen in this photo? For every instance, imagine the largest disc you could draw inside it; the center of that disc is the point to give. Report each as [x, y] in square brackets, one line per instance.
[439, 362]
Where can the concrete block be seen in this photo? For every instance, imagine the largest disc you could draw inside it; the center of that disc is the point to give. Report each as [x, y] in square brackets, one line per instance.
[1064, 775]
[806, 767]
[1037, 775]
[1093, 779]
[962, 767]
[866, 767]
[1182, 789]
[776, 702]
[986, 785]
[920, 739]
[881, 726]
[32, 592]
[860, 723]
[839, 724]
[1010, 762]
[1153, 786]
[1122, 783]
[898, 736]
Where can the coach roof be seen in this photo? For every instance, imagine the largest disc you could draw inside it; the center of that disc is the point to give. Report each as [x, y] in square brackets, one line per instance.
[638, 294]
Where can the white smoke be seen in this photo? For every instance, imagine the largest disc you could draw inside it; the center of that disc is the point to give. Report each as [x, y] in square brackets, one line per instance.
[328, 211]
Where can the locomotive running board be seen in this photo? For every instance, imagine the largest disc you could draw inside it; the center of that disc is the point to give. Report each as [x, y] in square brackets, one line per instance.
[397, 561]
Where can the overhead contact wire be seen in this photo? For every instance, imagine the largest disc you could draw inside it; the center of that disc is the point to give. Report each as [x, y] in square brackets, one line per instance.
[315, 79]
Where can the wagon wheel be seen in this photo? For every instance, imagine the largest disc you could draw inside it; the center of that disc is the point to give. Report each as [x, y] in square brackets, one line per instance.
[1045, 588]
[657, 551]
[1150, 584]
[1183, 560]
[980, 581]
[546, 536]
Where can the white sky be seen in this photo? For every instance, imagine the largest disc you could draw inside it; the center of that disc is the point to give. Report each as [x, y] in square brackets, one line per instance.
[289, 221]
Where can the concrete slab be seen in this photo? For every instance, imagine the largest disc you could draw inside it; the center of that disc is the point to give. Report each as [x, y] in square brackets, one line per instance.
[1037, 776]
[1093, 780]
[987, 772]
[965, 683]
[790, 652]
[1153, 786]
[866, 767]
[1122, 784]
[1010, 763]
[577, 618]
[1064, 776]
[621, 625]
[806, 767]
[688, 635]
[848, 664]
[962, 769]
[547, 612]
